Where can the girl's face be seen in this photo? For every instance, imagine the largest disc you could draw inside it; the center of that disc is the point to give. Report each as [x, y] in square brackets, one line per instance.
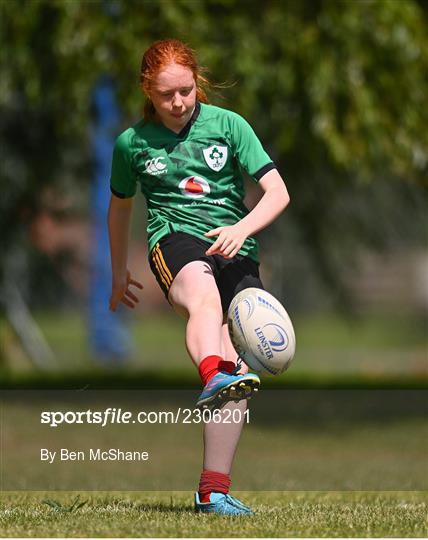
[173, 95]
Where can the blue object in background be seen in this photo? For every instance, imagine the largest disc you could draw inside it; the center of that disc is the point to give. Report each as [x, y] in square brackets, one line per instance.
[109, 337]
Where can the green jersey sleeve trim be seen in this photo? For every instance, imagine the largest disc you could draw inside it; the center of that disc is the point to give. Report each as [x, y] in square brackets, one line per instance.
[117, 194]
[123, 182]
[261, 172]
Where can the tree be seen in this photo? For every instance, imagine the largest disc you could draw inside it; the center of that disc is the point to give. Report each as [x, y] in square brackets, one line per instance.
[335, 89]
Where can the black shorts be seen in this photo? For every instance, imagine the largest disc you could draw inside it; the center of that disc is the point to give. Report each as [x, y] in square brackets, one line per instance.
[177, 249]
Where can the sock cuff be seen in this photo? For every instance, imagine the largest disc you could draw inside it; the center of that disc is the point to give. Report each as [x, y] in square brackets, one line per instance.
[227, 366]
[213, 481]
[209, 367]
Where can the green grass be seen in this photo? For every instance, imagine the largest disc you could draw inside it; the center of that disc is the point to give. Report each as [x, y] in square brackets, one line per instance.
[376, 345]
[169, 514]
[295, 440]
[316, 444]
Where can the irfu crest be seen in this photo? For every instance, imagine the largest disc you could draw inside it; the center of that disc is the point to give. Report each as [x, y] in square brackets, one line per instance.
[216, 157]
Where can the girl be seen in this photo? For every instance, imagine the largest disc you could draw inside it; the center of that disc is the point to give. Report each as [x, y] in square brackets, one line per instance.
[187, 156]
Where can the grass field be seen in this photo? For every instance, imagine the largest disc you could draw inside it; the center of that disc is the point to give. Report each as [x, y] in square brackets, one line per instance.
[320, 442]
[375, 345]
[169, 514]
[302, 440]
[347, 440]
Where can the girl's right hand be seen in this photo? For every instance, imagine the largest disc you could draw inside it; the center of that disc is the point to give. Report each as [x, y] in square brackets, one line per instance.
[121, 292]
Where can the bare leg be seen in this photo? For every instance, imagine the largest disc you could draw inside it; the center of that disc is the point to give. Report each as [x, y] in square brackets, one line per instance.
[220, 439]
[194, 294]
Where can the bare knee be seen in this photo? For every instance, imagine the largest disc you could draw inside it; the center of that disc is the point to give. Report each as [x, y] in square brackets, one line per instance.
[207, 302]
[194, 291]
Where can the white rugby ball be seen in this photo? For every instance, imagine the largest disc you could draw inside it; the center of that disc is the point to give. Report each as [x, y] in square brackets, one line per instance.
[261, 331]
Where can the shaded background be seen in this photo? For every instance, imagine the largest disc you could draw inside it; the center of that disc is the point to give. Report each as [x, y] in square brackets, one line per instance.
[336, 90]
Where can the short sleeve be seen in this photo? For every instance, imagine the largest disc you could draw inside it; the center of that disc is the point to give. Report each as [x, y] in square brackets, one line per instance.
[123, 183]
[248, 149]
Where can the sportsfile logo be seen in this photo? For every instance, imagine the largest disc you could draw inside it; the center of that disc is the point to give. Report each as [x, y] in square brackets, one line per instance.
[155, 166]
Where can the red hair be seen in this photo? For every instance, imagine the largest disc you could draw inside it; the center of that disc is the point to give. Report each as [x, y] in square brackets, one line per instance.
[157, 57]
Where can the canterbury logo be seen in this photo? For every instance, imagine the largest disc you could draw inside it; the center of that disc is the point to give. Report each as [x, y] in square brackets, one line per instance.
[161, 267]
[155, 166]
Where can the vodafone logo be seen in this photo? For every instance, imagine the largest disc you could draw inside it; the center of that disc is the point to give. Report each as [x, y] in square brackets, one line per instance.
[194, 186]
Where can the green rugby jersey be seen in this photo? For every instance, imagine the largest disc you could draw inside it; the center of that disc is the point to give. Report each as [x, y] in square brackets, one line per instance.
[192, 181]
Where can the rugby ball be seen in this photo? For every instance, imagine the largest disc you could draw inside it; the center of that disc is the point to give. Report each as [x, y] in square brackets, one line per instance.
[261, 331]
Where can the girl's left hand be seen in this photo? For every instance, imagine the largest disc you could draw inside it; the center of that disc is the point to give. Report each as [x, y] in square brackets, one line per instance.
[229, 241]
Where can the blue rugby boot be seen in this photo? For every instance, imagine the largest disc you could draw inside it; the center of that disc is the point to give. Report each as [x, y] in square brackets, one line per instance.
[225, 387]
[222, 504]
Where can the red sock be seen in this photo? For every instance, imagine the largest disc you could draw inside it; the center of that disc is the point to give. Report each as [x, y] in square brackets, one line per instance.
[212, 481]
[211, 365]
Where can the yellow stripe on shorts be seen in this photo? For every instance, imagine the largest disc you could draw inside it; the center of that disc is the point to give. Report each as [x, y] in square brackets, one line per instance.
[159, 272]
[161, 268]
[164, 266]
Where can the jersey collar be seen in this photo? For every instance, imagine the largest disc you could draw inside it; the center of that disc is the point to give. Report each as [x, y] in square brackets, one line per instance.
[192, 120]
